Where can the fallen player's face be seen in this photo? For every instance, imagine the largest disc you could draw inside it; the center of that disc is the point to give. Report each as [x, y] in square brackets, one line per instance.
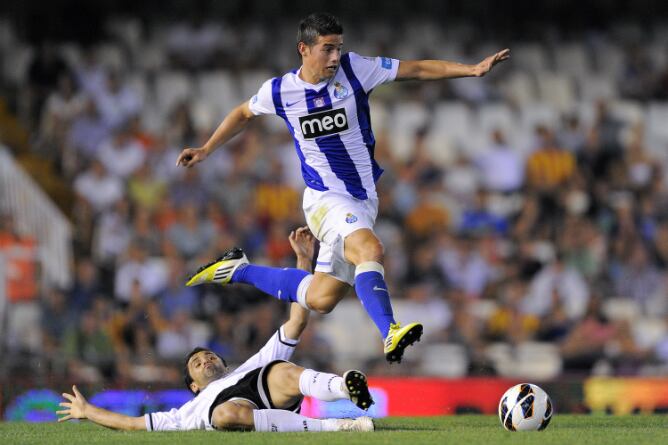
[324, 56]
[204, 367]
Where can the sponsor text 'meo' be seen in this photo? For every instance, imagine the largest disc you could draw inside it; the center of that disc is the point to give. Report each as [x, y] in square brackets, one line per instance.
[325, 123]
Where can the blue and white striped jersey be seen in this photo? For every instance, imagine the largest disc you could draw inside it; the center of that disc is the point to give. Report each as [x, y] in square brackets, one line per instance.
[330, 122]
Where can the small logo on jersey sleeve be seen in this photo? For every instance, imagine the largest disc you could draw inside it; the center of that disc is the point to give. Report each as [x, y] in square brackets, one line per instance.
[340, 91]
[386, 63]
[350, 218]
[254, 99]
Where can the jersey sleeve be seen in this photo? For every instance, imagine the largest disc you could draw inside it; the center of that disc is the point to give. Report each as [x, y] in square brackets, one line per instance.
[184, 418]
[373, 71]
[263, 102]
[164, 421]
[279, 347]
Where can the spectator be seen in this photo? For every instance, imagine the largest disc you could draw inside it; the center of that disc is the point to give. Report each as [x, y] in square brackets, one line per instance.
[86, 133]
[146, 191]
[179, 336]
[137, 267]
[121, 155]
[501, 167]
[61, 108]
[98, 188]
[595, 337]
[478, 218]
[557, 285]
[463, 265]
[549, 166]
[86, 285]
[638, 279]
[57, 315]
[112, 234]
[88, 349]
[176, 297]
[118, 102]
[191, 234]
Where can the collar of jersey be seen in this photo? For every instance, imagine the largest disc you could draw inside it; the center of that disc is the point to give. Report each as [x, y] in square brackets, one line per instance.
[316, 86]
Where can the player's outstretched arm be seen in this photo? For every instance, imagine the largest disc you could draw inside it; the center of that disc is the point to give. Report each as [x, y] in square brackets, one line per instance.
[303, 243]
[79, 408]
[231, 125]
[443, 69]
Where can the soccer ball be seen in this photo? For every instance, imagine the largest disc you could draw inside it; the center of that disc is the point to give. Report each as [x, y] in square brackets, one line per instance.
[525, 407]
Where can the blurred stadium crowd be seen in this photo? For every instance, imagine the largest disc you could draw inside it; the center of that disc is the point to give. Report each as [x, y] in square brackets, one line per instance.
[525, 215]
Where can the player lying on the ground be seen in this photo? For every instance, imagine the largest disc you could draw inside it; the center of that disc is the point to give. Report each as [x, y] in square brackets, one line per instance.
[326, 108]
[263, 394]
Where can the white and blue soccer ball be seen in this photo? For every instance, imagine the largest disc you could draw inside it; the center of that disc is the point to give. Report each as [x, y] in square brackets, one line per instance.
[525, 407]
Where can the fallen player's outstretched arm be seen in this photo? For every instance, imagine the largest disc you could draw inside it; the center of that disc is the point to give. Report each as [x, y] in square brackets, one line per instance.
[303, 243]
[79, 408]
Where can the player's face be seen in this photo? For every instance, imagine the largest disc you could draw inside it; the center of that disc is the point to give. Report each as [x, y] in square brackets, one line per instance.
[323, 57]
[205, 367]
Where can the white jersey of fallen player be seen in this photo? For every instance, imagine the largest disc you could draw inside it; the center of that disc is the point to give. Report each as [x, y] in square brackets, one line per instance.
[194, 415]
[330, 122]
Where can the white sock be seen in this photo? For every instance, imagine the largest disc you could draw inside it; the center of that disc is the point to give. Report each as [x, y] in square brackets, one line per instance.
[322, 386]
[301, 291]
[282, 421]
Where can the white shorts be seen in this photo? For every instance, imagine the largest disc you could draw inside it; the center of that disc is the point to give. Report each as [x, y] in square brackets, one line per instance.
[332, 217]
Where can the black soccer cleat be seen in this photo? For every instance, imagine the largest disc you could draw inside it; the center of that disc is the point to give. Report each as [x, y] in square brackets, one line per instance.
[358, 390]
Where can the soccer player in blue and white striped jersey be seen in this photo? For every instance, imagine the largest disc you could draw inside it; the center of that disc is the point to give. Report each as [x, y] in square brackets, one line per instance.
[325, 105]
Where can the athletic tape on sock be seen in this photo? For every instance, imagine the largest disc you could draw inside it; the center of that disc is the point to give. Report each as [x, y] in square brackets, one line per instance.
[370, 266]
[301, 291]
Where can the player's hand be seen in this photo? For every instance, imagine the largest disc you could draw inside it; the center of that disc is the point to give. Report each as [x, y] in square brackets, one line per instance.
[191, 156]
[488, 63]
[75, 408]
[303, 242]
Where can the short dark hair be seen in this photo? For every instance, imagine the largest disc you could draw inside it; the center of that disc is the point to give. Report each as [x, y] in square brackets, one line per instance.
[187, 378]
[318, 24]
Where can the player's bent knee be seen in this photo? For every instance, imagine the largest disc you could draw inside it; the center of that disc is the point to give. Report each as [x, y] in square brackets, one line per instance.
[293, 373]
[285, 377]
[323, 305]
[364, 248]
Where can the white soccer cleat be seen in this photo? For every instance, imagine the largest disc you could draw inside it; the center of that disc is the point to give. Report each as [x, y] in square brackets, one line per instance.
[361, 424]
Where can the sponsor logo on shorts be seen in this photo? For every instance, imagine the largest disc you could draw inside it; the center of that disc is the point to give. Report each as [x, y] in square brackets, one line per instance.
[350, 218]
[323, 124]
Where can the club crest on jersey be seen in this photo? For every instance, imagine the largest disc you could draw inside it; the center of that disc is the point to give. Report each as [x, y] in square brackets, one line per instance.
[325, 123]
[319, 102]
[350, 218]
[340, 91]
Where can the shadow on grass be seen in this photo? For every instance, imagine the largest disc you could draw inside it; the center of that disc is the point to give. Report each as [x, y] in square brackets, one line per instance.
[380, 428]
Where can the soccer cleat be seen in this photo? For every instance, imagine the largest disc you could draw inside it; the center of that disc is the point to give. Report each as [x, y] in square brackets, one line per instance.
[399, 338]
[221, 270]
[361, 424]
[355, 384]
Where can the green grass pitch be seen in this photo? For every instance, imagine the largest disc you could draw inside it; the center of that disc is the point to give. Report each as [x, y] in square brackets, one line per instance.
[564, 429]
